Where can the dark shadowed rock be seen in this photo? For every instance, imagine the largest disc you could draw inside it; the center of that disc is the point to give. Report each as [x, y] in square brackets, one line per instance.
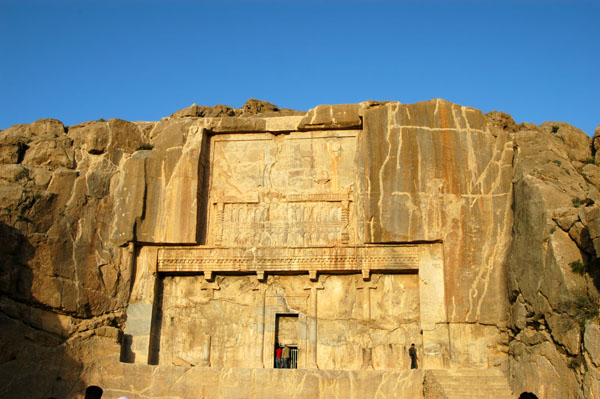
[502, 120]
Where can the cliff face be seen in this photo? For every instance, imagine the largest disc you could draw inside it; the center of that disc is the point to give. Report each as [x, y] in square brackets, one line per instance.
[436, 171]
[553, 264]
[519, 245]
[64, 286]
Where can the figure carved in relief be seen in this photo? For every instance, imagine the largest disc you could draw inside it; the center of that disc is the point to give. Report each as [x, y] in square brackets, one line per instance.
[334, 215]
[242, 214]
[299, 214]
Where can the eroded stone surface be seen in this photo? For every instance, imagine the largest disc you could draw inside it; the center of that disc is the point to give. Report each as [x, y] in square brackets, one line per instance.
[358, 326]
[550, 235]
[139, 381]
[286, 190]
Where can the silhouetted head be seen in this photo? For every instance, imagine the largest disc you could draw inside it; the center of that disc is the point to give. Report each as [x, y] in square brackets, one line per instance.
[527, 395]
[93, 392]
[412, 345]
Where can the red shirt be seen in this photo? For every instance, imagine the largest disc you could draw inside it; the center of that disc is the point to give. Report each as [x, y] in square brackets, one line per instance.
[278, 352]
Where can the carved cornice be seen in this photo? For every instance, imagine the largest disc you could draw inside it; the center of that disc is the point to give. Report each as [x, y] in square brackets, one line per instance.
[311, 260]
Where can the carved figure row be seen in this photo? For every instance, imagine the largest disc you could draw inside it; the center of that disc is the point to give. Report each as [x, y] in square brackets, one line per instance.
[283, 212]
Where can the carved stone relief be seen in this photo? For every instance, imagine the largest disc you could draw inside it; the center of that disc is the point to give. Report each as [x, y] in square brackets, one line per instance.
[286, 190]
[282, 242]
[232, 322]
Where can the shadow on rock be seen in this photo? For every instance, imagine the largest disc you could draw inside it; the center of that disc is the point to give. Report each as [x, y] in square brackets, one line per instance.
[34, 358]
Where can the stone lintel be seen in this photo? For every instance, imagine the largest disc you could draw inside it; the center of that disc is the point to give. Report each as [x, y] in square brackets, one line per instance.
[363, 259]
[327, 117]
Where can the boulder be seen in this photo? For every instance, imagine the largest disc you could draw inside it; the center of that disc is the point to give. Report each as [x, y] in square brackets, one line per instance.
[577, 143]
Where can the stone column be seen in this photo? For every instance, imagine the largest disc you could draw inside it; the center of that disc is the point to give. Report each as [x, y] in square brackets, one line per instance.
[259, 358]
[345, 221]
[366, 286]
[220, 217]
[311, 355]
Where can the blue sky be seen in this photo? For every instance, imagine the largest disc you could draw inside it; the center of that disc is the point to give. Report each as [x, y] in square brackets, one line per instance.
[142, 60]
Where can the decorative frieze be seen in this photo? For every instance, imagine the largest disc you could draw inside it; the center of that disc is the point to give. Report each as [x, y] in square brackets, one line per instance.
[312, 260]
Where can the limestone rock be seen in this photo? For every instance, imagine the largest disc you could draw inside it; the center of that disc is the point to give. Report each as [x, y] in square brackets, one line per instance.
[228, 383]
[332, 117]
[230, 125]
[591, 172]
[591, 219]
[565, 331]
[591, 383]
[12, 146]
[550, 179]
[51, 151]
[596, 143]
[204, 111]
[502, 120]
[543, 370]
[12, 173]
[416, 188]
[518, 314]
[47, 127]
[580, 234]
[592, 341]
[566, 217]
[92, 137]
[252, 107]
[114, 136]
[578, 144]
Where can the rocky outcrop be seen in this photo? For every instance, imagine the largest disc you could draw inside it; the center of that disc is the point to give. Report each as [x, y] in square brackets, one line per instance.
[64, 286]
[515, 206]
[552, 277]
[252, 107]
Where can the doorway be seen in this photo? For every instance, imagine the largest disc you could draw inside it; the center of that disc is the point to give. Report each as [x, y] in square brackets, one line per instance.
[286, 341]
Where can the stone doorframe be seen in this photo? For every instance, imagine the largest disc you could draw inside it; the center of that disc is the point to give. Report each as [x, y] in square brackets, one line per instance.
[285, 305]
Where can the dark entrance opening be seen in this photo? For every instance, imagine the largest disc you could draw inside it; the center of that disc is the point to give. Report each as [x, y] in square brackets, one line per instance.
[93, 392]
[286, 341]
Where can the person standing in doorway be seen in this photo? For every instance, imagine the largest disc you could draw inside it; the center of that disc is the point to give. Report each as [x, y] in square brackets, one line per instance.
[285, 355]
[412, 352]
[278, 357]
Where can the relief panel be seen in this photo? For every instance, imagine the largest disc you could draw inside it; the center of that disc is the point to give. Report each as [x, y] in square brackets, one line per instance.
[368, 326]
[231, 322]
[286, 190]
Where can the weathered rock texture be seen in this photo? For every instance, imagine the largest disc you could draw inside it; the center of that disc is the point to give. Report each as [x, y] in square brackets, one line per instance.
[554, 310]
[487, 232]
